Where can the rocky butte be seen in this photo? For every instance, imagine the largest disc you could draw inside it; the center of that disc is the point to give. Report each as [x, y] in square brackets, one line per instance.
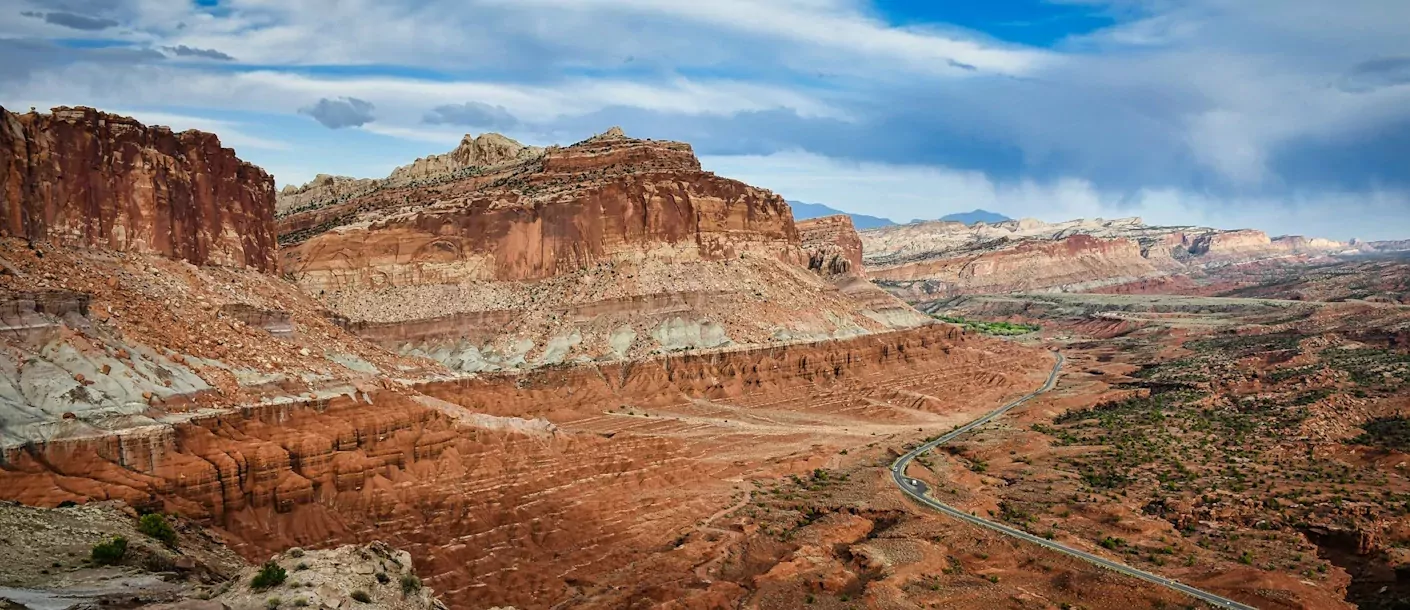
[497, 255]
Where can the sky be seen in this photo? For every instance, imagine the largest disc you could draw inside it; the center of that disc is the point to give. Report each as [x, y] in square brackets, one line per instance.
[1291, 116]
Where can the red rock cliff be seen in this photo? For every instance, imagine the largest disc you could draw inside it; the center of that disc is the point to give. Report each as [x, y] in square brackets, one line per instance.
[87, 178]
[604, 198]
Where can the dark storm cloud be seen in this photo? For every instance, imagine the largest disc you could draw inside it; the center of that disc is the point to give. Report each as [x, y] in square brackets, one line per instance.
[24, 56]
[185, 51]
[341, 112]
[73, 20]
[474, 114]
[1377, 73]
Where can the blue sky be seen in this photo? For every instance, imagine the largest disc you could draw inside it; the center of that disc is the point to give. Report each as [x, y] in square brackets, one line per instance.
[1291, 116]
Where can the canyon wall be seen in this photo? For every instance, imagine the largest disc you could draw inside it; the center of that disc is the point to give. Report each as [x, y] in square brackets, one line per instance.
[82, 177]
[610, 248]
[941, 259]
[523, 488]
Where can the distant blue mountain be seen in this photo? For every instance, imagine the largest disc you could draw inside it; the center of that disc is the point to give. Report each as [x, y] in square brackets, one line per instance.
[970, 218]
[804, 211]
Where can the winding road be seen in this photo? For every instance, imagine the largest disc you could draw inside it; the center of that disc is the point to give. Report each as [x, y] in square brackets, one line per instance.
[917, 490]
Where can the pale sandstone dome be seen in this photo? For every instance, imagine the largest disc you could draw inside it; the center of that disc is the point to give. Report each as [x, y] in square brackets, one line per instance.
[323, 187]
[487, 150]
[484, 151]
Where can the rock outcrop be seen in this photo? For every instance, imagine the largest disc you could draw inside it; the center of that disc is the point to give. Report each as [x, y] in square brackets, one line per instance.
[474, 155]
[610, 248]
[48, 566]
[941, 259]
[487, 150]
[81, 177]
[832, 245]
[321, 190]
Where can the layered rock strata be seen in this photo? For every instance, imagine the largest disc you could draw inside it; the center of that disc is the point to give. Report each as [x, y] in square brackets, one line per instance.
[610, 248]
[940, 259]
[81, 177]
[504, 510]
[832, 245]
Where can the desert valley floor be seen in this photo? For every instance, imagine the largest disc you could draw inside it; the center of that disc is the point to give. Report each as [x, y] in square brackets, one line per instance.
[597, 376]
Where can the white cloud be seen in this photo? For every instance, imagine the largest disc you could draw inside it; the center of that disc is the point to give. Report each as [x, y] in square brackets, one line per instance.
[1206, 96]
[833, 25]
[232, 134]
[902, 193]
[407, 99]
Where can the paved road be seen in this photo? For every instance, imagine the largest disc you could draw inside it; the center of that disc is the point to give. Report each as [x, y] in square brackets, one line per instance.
[917, 490]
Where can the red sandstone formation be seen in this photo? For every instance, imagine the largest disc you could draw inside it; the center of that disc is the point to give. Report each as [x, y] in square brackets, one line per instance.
[575, 207]
[501, 515]
[87, 178]
[607, 249]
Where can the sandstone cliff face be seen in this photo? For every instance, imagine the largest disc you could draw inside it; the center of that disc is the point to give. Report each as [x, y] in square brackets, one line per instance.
[832, 245]
[569, 208]
[935, 259]
[613, 247]
[87, 178]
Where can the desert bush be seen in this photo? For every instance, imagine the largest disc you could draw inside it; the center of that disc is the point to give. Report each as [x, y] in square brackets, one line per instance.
[270, 575]
[410, 584]
[156, 526]
[110, 552]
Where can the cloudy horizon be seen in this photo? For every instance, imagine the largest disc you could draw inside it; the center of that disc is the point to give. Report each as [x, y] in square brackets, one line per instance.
[1290, 116]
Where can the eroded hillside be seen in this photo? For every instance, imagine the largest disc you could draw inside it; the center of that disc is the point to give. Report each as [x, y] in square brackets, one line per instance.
[929, 260]
[608, 249]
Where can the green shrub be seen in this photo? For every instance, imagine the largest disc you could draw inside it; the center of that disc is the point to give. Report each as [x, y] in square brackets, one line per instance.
[1385, 433]
[410, 583]
[361, 596]
[270, 575]
[300, 602]
[110, 552]
[156, 526]
[273, 603]
[382, 578]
